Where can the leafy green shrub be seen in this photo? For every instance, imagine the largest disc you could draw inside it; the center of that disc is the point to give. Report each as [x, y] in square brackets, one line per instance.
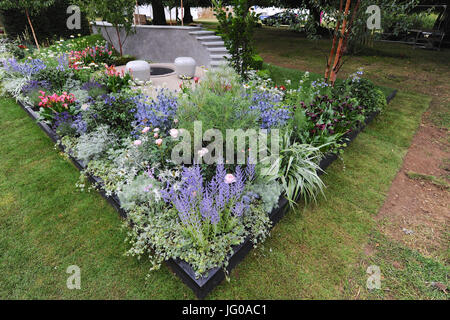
[263, 74]
[421, 20]
[237, 31]
[306, 132]
[57, 77]
[363, 90]
[379, 102]
[121, 61]
[17, 49]
[114, 110]
[324, 121]
[306, 91]
[257, 63]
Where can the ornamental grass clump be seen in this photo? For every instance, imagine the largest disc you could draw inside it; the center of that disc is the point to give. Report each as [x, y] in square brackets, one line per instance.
[297, 168]
[219, 102]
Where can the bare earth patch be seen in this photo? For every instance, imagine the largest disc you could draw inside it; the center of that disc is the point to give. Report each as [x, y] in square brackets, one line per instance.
[416, 212]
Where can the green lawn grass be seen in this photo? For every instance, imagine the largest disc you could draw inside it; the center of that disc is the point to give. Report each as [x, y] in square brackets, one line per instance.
[406, 273]
[46, 224]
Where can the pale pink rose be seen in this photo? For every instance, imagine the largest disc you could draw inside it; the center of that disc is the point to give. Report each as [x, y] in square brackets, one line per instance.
[229, 179]
[159, 142]
[175, 121]
[155, 135]
[137, 142]
[174, 133]
[146, 129]
[156, 130]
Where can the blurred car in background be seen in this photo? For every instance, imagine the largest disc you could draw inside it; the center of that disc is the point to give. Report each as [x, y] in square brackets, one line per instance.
[263, 15]
[281, 18]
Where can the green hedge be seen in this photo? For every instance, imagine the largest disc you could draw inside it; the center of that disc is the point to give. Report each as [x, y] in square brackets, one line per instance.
[50, 24]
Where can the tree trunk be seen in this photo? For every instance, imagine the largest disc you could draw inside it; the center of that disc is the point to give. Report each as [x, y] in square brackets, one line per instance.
[333, 47]
[182, 13]
[32, 29]
[187, 19]
[177, 18]
[339, 50]
[347, 36]
[159, 16]
[120, 41]
[316, 16]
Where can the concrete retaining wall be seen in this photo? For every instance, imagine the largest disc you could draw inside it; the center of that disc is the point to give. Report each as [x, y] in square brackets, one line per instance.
[158, 43]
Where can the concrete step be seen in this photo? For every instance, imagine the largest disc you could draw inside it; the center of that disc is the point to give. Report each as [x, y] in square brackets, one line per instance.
[215, 64]
[202, 33]
[213, 44]
[217, 50]
[218, 57]
[209, 38]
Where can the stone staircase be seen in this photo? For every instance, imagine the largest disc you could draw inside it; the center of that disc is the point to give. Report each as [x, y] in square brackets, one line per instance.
[214, 44]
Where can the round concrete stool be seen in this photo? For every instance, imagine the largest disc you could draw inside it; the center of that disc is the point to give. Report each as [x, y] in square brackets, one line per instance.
[139, 70]
[185, 67]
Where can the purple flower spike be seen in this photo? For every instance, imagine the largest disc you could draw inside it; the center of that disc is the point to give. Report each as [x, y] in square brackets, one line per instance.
[199, 203]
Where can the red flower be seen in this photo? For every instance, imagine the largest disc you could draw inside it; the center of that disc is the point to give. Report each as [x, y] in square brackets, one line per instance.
[21, 46]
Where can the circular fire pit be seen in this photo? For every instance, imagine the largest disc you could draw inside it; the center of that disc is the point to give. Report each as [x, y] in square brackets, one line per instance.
[161, 70]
